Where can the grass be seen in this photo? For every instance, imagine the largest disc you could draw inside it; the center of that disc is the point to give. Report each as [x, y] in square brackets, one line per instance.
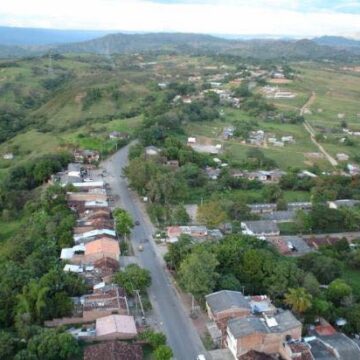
[352, 277]
[291, 155]
[8, 229]
[288, 228]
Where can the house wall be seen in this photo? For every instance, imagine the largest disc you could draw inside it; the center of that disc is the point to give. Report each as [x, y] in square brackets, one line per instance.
[117, 335]
[253, 341]
[91, 258]
[92, 315]
[269, 343]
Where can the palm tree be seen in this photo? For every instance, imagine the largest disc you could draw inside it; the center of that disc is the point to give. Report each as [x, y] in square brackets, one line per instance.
[32, 302]
[298, 299]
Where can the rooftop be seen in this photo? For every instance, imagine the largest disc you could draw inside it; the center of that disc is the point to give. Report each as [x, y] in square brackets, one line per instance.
[279, 323]
[226, 299]
[283, 215]
[113, 350]
[93, 233]
[261, 226]
[347, 348]
[113, 324]
[102, 245]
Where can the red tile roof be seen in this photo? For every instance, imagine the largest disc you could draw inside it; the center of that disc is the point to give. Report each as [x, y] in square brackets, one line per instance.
[325, 330]
[113, 350]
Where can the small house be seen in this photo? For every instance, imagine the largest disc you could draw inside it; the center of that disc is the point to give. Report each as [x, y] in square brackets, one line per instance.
[118, 135]
[116, 327]
[8, 156]
[86, 156]
[342, 157]
[260, 228]
[191, 140]
[152, 151]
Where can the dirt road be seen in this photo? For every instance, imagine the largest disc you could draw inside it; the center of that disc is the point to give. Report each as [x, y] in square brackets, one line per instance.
[311, 131]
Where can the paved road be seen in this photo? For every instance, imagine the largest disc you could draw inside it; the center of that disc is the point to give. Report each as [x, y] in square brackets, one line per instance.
[311, 131]
[174, 321]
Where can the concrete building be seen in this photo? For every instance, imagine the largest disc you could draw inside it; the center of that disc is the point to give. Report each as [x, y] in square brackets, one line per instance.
[264, 334]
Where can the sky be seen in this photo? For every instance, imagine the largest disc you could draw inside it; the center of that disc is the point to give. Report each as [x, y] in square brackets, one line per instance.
[299, 18]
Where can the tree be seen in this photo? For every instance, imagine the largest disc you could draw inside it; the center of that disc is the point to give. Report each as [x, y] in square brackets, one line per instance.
[155, 339]
[180, 216]
[281, 204]
[178, 251]
[285, 275]
[272, 193]
[298, 299]
[123, 221]
[211, 214]
[338, 290]
[133, 278]
[323, 267]
[7, 345]
[32, 303]
[53, 345]
[255, 266]
[229, 282]
[311, 284]
[163, 352]
[197, 273]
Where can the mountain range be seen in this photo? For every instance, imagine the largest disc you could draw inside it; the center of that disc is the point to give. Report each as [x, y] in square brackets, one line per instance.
[20, 42]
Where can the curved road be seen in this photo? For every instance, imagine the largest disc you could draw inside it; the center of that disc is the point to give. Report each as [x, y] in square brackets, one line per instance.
[174, 320]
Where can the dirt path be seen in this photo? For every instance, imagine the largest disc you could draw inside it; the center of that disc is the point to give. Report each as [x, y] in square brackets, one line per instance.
[311, 131]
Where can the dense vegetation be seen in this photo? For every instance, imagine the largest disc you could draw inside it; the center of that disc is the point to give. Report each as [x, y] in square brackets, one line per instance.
[246, 264]
[33, 290]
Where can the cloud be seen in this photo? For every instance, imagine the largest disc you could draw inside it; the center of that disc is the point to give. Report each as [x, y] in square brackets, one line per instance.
[274, 17]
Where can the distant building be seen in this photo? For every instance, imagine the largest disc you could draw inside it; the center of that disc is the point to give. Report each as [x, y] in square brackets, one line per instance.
[86, 156]
[191, 140]
[8, 156]
[342, 157]
[260, 228]
[343, 203]
[353, 169]
[152, 151]
[118, 135]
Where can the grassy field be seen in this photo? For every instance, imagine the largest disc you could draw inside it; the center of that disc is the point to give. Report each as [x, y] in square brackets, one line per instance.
[337, 94]
[56, 116]
[291, 155]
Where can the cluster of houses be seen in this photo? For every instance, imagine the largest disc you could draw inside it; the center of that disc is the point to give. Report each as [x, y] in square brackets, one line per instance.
[198, 233]
[204, 148]
[259, 138]
[102, 314]
[251, 325]
[226, 96]
[267, 228]
[350, 132]
[273, 92]
[265, 176]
